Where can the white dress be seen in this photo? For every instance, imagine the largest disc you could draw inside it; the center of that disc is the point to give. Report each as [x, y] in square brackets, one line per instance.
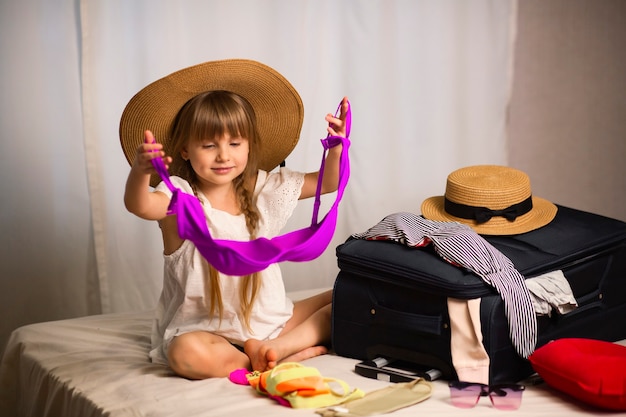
[182, 308]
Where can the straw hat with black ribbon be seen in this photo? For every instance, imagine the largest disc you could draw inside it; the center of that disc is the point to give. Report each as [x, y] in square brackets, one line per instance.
[277, 105]
[492, 199]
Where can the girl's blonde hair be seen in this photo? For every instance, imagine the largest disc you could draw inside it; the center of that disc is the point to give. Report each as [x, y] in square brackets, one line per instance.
[211, 115]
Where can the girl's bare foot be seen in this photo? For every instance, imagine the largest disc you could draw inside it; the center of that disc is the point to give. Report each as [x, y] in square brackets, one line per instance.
[262, 356]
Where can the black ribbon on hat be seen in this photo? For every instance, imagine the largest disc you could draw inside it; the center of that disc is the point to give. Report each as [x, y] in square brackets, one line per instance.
[484, 214]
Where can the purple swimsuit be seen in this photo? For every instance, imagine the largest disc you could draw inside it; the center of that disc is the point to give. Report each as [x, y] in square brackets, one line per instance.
[240, 258]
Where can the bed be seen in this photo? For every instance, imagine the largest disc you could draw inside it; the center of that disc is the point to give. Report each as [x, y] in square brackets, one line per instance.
[98, 366]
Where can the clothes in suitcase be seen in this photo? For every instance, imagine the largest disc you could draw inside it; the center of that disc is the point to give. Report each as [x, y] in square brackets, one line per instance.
[390, 300]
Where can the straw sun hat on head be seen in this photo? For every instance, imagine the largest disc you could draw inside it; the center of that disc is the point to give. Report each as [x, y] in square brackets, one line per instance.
[493, 200]
[276, 103]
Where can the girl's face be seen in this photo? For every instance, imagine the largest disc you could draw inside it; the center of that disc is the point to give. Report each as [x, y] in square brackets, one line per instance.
[218, 161]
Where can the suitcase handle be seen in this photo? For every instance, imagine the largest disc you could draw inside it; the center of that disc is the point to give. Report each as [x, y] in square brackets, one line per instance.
[443, 365]
[387, 317]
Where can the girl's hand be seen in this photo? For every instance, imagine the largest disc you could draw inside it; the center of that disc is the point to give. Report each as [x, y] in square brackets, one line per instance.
[147, 151]
[138, 198]
[337, 125]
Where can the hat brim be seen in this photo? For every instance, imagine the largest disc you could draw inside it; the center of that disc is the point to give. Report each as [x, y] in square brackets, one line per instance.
[542, 213]
[277, 105]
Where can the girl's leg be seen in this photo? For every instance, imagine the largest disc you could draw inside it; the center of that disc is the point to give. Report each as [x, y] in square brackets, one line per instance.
[303, 336]
[200, 355]
[304, 309]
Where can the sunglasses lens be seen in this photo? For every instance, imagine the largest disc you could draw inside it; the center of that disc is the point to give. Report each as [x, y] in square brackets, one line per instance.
[506, 398]
[465, 397]
[503, 397]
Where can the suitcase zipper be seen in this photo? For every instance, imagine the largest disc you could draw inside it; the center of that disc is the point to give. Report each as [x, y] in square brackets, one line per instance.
[367, 268]
[431, 284]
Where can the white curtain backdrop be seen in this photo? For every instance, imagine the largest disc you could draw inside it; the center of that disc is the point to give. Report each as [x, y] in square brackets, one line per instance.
[428, 80]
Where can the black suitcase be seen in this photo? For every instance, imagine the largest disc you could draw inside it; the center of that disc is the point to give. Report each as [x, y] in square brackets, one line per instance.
[390, 300]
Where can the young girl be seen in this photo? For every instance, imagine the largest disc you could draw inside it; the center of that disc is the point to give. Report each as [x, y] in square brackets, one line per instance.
[209, 324]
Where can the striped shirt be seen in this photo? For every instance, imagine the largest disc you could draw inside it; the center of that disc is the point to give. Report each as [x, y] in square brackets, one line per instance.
[459, 245]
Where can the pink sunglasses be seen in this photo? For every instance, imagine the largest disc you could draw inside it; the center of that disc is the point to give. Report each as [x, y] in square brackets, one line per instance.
[503, 397]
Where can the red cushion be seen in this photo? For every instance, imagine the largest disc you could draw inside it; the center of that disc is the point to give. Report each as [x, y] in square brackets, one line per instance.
[592, 371]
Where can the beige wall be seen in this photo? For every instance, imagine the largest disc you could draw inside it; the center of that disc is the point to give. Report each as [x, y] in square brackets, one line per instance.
[567, 126]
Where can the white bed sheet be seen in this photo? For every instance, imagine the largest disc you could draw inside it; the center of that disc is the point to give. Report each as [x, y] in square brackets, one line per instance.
[98, 366]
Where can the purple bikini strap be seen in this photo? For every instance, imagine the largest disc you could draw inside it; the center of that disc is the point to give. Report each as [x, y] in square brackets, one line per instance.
[329, 142]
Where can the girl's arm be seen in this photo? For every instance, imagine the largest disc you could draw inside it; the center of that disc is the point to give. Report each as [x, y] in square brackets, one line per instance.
[138, 198]
[330, 183]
